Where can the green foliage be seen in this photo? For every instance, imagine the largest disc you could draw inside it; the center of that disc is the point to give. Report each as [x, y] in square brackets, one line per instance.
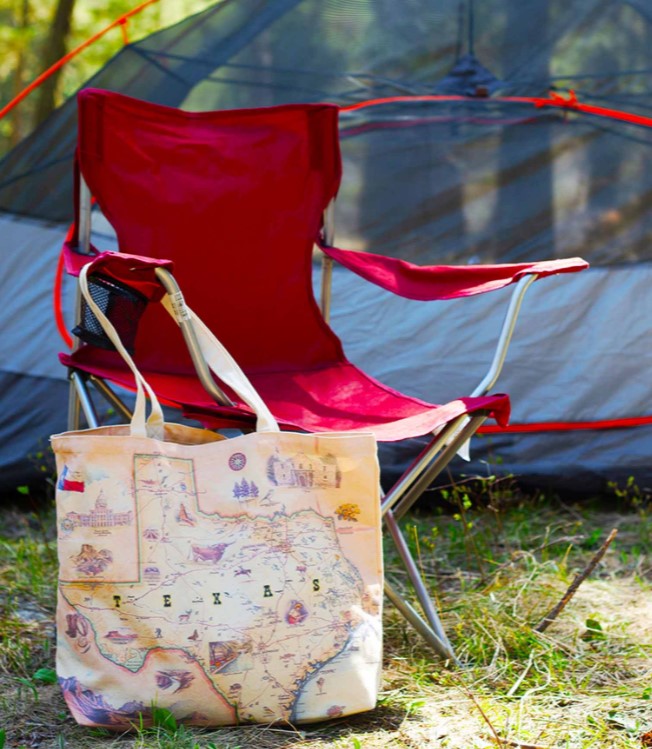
[501, 564]
[29, 685]
[631, 495]
[160, 729]
[24, 28]
[45, 676]
[594, 631]
[164, 720]
[496, 562]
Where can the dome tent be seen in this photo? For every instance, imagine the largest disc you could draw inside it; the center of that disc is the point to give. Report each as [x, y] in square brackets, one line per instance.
[454, 151]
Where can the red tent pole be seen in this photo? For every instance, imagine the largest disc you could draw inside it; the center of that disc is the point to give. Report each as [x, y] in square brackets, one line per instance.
[121, 21]
[554, 100]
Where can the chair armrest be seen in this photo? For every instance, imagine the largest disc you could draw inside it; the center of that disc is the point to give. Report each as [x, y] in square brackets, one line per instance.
[135, 271]
[152, 278]
[431, 282]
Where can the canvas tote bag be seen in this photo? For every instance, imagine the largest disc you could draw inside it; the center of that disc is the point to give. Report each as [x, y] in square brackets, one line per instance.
[227, 580]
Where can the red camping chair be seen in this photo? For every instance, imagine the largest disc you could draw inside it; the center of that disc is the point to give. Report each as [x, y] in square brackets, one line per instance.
[235, 201]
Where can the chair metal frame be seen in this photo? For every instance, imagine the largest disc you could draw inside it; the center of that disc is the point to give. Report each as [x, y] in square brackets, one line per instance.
[415, 480]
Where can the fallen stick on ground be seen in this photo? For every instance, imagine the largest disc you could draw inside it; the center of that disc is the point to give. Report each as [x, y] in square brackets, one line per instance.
[518, 744]
[572, 588]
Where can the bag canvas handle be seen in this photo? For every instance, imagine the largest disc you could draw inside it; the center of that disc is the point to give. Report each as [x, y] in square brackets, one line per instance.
[217, 357]
[223, 364]
[154, 425]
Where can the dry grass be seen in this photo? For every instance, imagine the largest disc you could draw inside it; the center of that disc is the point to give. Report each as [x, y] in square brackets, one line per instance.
[584, 683]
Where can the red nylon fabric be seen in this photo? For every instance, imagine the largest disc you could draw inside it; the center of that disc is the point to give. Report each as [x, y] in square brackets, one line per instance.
[235, 200]
[335, 398]
[132, 270]
[431, 282]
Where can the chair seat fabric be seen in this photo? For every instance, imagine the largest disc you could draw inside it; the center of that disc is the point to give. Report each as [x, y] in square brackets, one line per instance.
[339, 397]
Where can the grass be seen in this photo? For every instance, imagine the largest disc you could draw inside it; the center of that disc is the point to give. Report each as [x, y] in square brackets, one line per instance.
[497, 563]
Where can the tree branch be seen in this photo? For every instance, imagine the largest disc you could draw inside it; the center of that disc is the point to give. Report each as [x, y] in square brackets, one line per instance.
[572, 588]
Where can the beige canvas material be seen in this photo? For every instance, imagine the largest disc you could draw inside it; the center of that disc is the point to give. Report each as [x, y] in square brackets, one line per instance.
[227, 580]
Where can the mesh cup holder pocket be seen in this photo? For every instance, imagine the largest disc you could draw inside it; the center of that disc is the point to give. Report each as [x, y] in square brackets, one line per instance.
[122, 305]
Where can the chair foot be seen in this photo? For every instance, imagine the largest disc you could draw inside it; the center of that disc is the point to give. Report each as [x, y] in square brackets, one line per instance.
[420, 589]
[436, 643]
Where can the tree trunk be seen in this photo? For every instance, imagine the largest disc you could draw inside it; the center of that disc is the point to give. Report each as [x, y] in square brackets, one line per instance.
[17, 123]
[54, 48]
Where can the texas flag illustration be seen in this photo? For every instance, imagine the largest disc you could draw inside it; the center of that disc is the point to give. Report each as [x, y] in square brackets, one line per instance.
[69, 481]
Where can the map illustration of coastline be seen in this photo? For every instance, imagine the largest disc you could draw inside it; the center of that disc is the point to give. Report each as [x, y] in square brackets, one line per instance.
[226, 617]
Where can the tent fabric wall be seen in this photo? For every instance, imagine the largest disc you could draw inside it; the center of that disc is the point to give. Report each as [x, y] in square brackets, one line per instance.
[562, 365]
[580, 353]
[481, 179]
[33, 384]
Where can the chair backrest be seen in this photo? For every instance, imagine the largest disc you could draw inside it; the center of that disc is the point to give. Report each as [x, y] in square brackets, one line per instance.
[235, 199]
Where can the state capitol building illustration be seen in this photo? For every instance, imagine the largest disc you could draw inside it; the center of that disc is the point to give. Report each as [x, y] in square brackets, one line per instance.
[101, 516]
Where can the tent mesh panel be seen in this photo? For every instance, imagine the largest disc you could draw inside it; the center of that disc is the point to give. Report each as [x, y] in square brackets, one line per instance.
[444, 182]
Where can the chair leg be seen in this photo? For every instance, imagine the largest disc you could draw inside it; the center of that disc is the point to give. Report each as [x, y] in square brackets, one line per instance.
[422, 593]
[410, 614]
[416, 479]
[429, 464]
[112, 398]
[73, 405]
[80, 396]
